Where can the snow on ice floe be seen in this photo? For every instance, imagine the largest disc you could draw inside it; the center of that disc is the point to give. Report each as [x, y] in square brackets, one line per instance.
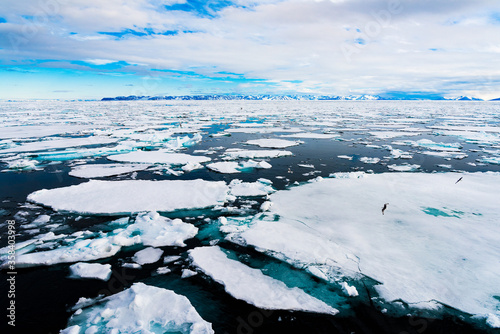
[231, 167]
[273, 143]
[415, 253]
[252, 286]
[312, 135]
[58, 143]
[120, 197]
[103, 170]
[393, 134]
[248, 189]
[160, 157]
[404, 167]
[148, 229]
[90, 270]
[147, 255]
[236, 153]
[139, 309]
[368, 160]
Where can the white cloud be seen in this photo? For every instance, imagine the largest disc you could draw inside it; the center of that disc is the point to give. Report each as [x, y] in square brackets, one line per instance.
[331, 46]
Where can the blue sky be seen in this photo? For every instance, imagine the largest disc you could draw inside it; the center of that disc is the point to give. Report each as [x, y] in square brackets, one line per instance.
[91, 48]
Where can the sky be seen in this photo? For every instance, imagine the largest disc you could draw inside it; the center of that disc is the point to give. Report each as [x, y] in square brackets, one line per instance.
[89, 49]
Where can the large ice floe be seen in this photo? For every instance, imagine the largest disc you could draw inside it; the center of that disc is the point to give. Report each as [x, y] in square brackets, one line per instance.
[148, 229]
[120, 197]
[139, 309]
[251, 285]
[437, 239]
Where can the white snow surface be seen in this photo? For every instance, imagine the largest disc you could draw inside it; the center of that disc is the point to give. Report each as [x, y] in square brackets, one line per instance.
[147, 255]
[273, 143]
[160, 156]
[258, 188]
[120, 197]
[90, 270]
[235, 153]
[252, 286]
[437, 240]
[140, 309]
[103, 170]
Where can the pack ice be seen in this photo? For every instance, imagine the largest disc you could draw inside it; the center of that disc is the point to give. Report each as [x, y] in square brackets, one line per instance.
[148, 229]
[139, 309]
[121, 197]
[252, 286]
[437, 239]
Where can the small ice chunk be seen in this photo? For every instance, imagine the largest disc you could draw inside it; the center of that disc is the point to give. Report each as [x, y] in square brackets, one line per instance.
[90, 270]
[188, 273]
[368, 160]
[403, 168]
[119, 197]
[273, 143]
[234, 154]
[240, 188]
[349, 290]
[252, 286]
[160, 156]
[141, 309]
[103, 170]
[147, 255]
[348, 157]
[163, 270]
[171, 258]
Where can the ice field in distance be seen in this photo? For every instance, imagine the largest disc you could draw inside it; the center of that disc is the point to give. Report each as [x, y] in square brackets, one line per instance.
[299, 183]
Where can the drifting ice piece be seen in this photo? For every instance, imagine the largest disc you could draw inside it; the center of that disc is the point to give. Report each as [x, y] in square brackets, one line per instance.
[122, 197]
[252, 286]
[140, 309]
[438, 239]
[90, 270]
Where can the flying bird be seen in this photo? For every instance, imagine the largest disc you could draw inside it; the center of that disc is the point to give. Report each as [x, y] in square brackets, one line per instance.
[460, 179]
[385, 207]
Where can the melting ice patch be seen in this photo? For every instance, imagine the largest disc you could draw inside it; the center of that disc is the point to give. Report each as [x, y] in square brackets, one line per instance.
[120, 197]
[235, 153]
[90, 270]
[273, 143]
[149, 229]
[260, 188]
[160, 156]
[231, 167]
[252, 286]
[103, 170]
[415, 255]
[139, 309]
[59, 143]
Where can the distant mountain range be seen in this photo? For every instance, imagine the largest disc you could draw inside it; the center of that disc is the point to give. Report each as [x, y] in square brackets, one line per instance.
[269, 97]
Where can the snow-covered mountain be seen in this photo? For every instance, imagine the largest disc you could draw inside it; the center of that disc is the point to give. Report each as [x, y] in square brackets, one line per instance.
[295, 97]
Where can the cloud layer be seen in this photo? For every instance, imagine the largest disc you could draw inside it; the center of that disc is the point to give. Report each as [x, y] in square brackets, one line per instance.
[303, 46]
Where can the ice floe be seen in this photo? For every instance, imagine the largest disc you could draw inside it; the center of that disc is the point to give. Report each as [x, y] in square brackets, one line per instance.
[450, 257]
[231, 167]
[147, 255]
[139, 309]
[120, 197]
[233, 154]
[103, 170]
[148, 229]
[160, 156]
[90, 270]
[252, 286]
[273, 143]
[260, 188]
[311, 135]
